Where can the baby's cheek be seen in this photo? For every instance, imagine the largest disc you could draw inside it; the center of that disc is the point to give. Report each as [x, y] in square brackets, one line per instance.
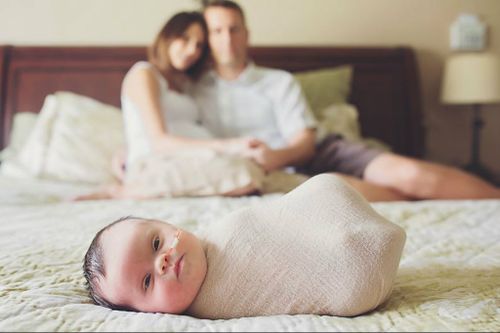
[170, 297]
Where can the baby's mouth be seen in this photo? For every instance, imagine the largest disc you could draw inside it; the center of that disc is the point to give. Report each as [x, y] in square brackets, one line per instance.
[177, 267]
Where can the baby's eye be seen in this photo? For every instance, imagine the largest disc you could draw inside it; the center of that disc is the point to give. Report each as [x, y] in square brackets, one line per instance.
[156, 243]
[147, 281]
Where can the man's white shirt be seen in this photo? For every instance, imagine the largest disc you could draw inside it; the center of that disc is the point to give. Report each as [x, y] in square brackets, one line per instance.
[262, 102]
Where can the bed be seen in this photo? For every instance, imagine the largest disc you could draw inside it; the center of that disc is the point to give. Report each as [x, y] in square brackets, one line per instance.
[449, 273]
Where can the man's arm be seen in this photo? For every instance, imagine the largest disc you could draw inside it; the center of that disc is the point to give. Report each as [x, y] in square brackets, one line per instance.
[300, 149]
[295, 122]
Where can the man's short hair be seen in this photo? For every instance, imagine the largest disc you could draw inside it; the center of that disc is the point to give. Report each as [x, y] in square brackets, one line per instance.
[228, 4]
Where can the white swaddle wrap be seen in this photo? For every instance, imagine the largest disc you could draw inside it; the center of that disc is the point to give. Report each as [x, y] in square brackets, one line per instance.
[320, 249]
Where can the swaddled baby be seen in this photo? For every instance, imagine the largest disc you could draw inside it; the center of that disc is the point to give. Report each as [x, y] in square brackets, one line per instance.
[319, 249]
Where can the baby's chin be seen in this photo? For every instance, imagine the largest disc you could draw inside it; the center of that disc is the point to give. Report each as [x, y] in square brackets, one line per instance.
[164, 308]
[178, 308]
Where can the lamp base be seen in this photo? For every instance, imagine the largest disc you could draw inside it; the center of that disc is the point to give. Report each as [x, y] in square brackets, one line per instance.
[482, 172]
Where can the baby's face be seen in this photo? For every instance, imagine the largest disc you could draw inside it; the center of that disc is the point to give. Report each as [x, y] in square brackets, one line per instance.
[142, 272]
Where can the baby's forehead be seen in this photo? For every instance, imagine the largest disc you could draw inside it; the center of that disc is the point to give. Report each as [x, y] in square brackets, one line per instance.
[131, 229]
[124, 229]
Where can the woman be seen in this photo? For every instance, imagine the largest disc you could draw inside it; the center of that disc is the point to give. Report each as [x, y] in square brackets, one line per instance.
[158, 115]
[159, 118]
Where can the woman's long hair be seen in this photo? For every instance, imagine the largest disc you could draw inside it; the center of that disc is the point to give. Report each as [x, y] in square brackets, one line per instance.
[158, 53]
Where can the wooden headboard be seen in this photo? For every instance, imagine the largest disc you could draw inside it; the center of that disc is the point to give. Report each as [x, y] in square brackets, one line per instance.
[385, 84]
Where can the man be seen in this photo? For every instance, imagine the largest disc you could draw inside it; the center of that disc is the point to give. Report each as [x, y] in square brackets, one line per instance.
[238, 98]
[238, 87]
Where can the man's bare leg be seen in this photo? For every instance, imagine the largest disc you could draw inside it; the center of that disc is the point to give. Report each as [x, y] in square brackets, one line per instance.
[373, 192]
[426, 180]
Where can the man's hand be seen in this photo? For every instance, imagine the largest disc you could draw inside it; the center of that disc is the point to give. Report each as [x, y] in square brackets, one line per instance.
[254, 149]
[263, 155]
[298, 151]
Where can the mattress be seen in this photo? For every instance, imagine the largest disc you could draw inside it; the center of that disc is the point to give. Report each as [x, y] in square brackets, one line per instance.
[449, 276]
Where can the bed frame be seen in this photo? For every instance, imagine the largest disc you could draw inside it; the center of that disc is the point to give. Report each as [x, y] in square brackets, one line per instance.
[385, 88]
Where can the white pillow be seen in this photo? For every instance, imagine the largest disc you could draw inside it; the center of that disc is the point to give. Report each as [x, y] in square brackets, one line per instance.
[73, 139]
[192, 172]
[22, 125]
[341, 118]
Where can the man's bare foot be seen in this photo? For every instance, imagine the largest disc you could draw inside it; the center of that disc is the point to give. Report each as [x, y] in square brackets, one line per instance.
[108, 192]
[92, 196]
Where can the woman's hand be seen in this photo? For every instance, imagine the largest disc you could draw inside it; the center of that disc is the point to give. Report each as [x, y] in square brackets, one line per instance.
[239, 146]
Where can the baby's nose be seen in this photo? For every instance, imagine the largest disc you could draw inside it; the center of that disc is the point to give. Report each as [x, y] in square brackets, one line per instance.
[162, 263]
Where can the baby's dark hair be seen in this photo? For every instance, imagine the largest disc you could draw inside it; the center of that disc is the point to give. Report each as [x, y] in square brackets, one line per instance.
[93, 267]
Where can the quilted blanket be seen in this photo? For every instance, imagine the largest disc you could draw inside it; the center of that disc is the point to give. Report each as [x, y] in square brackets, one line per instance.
[449, 276]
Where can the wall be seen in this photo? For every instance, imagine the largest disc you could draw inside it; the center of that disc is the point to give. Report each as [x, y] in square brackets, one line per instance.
[422, 24]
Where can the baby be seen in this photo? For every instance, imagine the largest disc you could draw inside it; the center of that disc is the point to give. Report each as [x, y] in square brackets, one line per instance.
[319, 249]
[145, 265]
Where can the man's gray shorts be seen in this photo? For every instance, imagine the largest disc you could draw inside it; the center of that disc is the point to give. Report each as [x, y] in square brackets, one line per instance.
[335, 154]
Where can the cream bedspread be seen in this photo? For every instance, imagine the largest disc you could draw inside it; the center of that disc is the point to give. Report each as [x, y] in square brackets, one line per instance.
[449, 277]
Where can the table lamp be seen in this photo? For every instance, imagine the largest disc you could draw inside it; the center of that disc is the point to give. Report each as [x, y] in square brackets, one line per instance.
[472, 79]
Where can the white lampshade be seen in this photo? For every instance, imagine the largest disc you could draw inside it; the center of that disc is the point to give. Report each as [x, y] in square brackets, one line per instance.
[471, 78]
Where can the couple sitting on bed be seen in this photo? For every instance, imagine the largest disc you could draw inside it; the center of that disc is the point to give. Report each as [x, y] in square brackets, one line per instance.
[255, 121]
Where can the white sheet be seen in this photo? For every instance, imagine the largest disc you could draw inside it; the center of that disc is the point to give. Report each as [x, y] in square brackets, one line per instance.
[448, 278]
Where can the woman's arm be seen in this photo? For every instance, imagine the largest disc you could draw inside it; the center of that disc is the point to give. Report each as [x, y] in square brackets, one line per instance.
[143, 90]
